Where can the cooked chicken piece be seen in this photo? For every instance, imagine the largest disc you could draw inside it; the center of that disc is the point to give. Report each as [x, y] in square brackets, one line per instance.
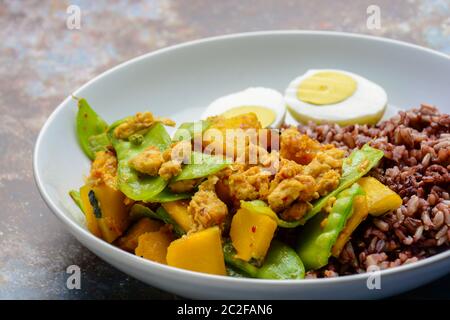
[298, 147]
[287, 169]
[287, 191]
[256, 155]
[104, 169]
[170, 169]
[205, 207]
[183, 185]
[251, 184]
[327, 182]
[296, 211]
[148, 161]
[331, 156]
[174, 157]
[137, 123]
[180, 151]
[309, 192]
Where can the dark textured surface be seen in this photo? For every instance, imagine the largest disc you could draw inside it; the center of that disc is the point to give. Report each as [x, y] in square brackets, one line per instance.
[42, 61]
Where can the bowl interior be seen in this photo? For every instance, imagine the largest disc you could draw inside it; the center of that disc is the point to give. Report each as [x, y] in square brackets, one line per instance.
[179, 82]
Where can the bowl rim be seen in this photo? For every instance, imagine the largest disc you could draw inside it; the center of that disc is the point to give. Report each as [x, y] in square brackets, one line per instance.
[143, 264]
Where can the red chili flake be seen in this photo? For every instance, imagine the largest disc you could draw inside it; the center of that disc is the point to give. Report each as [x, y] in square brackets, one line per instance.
[254, 229]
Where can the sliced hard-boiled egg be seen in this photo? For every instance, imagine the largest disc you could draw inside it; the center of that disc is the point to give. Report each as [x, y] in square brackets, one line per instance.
[268, 105]
[335, 96]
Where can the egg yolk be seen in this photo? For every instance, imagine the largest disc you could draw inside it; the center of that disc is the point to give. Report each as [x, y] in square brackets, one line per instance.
[326, 88]
[265, 116]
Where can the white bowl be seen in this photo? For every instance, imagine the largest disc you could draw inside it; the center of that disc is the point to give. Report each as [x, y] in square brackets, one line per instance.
[180, 81]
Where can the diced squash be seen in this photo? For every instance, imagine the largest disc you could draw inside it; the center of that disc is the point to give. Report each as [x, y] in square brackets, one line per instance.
[178, 211]
[215, 137]
[129, 241]
[114, 218]
[153, 245]
[91, 221]
[360, 212]
[380, 199]
[200, 251]
[251, 234]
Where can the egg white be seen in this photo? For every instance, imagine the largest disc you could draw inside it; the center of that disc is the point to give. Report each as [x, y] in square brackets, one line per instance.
[366, 105]
[255, 97]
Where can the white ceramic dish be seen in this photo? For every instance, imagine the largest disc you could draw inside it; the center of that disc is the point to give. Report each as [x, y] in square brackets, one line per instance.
[180, 81]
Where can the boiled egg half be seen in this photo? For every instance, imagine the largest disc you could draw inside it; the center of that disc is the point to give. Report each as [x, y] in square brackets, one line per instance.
[268, 105]
[335, 96]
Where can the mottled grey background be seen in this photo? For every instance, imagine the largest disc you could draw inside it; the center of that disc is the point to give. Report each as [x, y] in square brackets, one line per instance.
[41, 62]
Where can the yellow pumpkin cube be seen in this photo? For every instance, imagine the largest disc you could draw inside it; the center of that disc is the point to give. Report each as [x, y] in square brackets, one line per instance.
[114, 218]
[200, 251]
[91, 220]
[360, 212]
[380, 199]
[251, 234]
[153, 245]
[178, 211]
[129, 241]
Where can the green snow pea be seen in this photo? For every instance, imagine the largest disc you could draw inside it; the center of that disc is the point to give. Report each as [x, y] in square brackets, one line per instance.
[235, 273]
[75, 195]
[167, 196]
[187, 130]
[134, 185]
[138, 211]
[99, 142]
[317, 238]
[202, 165]
[281, 262]
[354, 167]
[91, 130]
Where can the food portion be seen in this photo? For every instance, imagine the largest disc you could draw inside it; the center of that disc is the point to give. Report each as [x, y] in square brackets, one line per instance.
[226, 196]
[408, 193]
[335, 96]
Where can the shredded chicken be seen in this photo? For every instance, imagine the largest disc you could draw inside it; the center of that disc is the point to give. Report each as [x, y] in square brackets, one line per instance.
[297, 146]
[183, 185]
[149, 161]
[251, 184]
[170, 169]
[174, 157]
[296, 211]
[287, 191]
[104, 170]
[205, 207]
[137, 123]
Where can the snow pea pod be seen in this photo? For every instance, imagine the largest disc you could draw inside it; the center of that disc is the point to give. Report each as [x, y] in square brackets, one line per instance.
[202, 165]
[281, 262]
[75, 195]
[188, 130]
[91, 130]
[167, 196]
[319, 235]
[235, 273]
[139, 211]
[131, 183]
